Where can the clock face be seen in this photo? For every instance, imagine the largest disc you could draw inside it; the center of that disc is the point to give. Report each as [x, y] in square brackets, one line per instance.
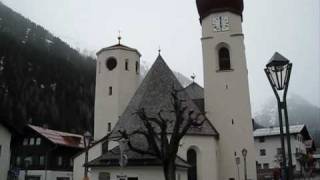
[221, 23]
[216, 24]
[225, 25]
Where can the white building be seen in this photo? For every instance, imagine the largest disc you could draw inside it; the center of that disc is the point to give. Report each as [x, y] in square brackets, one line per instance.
[268, 146]
[210, 149]
[5, 140]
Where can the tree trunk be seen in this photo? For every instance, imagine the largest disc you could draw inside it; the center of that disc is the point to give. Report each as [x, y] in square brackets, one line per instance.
[169, 170]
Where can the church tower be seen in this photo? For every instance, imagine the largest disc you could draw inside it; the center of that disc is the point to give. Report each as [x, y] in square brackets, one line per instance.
[117, 78]
[226, 88]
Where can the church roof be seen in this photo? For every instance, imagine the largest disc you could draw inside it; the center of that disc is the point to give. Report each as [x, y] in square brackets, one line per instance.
[119, 46]
[195, 91]
[111, 158]
[154, 95]
[206, 7]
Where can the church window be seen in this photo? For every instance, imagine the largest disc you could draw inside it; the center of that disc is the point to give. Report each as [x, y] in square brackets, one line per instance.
[111, 63]
[110, 91]
[104, 176]
[224, 59]
[262, 152]
[109, 127]
[137, 67]
[127, 65]
[192, 160]
[104, 147]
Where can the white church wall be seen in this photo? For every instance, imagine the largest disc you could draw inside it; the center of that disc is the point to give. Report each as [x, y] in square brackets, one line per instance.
[124, 83]
[5, 139]
[206, 148]
[143, 173]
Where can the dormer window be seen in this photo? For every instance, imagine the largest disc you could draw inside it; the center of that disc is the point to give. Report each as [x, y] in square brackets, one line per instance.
[224, 59]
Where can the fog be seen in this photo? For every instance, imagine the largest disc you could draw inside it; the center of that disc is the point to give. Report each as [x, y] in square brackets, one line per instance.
[291, 27]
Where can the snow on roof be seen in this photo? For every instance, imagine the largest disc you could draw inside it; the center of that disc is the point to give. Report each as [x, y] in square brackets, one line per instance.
[273, 131]
[60, 138]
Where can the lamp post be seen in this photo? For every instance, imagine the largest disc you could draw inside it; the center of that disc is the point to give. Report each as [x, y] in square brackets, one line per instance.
[26, 164]
[278, 71]
[244, 154]
[86, 141]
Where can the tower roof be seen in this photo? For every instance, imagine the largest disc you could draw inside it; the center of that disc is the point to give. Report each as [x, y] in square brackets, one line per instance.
[206, 7]
[154, 94]
[119, 46]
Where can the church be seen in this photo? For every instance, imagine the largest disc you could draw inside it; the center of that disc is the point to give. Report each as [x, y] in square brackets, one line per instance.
[212, 151]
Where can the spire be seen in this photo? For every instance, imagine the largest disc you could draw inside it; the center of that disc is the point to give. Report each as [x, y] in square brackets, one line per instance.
[193, 77]
[119, 37]
[159, 50]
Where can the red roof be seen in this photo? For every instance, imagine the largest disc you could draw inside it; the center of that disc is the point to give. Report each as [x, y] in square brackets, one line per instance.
[60, 138]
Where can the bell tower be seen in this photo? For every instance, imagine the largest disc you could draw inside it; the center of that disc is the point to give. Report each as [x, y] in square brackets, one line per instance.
[117, 78]
[226, 88]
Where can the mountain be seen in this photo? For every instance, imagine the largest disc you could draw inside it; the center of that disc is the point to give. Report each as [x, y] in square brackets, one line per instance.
[182, 79]
[300, 111]
[42, 79]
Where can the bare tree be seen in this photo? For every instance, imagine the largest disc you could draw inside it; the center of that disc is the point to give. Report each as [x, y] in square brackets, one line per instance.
[163, 135]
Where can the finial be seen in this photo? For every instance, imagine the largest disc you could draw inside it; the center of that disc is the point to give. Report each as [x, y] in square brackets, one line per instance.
[159, 50]
[193, 77]
[119, 37]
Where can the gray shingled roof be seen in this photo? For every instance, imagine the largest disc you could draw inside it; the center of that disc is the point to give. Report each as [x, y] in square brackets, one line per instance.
[195, 91]
[154, 94]
[111, 159]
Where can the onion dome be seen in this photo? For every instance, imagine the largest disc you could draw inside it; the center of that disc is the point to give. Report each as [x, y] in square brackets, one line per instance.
[206, 7]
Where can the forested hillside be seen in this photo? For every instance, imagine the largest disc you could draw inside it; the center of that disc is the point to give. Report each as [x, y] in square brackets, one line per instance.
[42, 79]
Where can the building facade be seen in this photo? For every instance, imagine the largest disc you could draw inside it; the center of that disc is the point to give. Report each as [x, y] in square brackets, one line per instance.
[43, 154]
[268, 147]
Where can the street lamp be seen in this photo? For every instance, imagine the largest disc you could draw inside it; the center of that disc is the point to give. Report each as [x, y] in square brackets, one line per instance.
[278, 71]
[244, 154]
[26, 164]
[86, 141]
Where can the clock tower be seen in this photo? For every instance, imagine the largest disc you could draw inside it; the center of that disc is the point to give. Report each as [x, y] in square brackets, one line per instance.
[226, 88]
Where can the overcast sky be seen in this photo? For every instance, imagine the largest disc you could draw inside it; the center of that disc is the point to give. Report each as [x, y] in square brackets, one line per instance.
[291, 27]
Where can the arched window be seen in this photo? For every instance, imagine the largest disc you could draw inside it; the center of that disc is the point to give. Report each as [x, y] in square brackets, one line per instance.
[192, 160]
[224, 58]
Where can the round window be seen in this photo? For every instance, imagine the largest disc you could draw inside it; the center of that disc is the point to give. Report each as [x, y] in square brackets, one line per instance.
[111, 63]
